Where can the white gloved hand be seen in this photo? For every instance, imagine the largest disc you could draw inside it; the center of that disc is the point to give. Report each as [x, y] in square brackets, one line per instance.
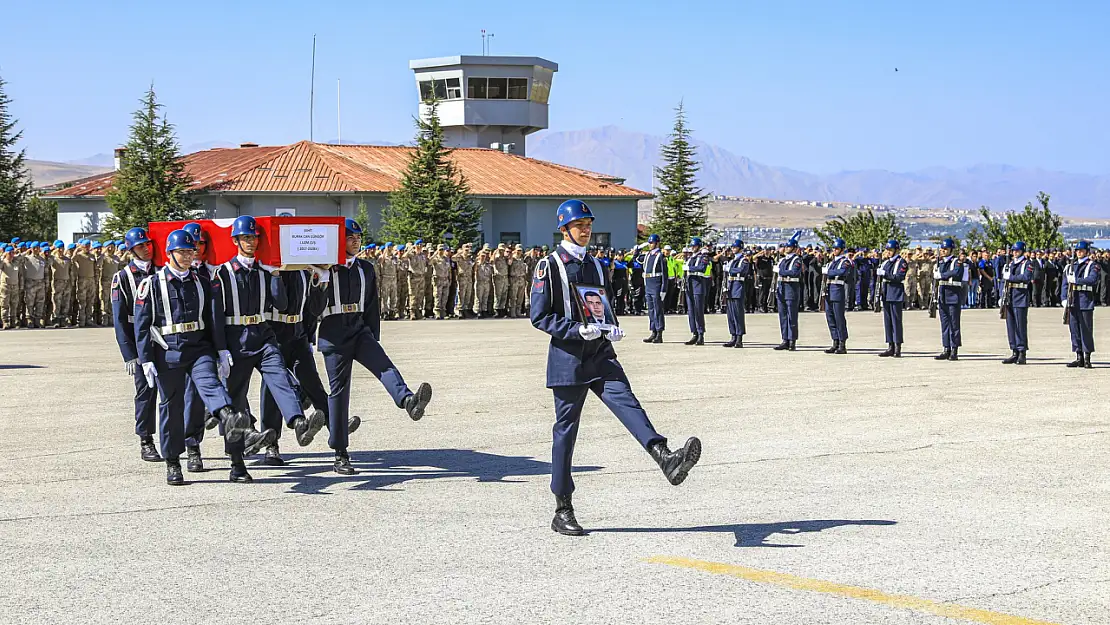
[223, 369]
[150, 373]
[775, 269]
[1006, 273]
[825, 270]
[616, 334]
[131, 366]
[323, 274]
[880, 272]
[936, 274]
[589, 333]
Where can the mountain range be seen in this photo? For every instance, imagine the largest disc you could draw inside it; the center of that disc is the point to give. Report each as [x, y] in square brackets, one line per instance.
[632, 155]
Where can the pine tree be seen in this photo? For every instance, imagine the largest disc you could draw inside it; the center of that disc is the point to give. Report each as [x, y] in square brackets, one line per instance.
[15, 183]
[152, 184]
[681, 207]
[433, 200]
[40, 219]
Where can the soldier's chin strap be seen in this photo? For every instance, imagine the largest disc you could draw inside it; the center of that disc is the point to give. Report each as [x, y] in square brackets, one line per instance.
[566, 230]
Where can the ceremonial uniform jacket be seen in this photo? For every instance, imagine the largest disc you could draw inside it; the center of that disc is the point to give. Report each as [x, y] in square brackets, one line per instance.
[737, 271]
[838, 274]
[175, 318]
[790, 268]
[125, 283]
[347, 305]
[697, 282]
[950, 273]
[655, 271]
[289, 321]
[894, 275]
[1018, 275]
[246, 298]
[1082, 276]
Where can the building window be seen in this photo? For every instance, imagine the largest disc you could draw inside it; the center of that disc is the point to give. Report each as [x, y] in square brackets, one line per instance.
[497, 88]
[454, 89]
[510, 238]
[476, 88]
[600, 239]
[518, 88]
[444, 89]
[425, 90]
[541, 85]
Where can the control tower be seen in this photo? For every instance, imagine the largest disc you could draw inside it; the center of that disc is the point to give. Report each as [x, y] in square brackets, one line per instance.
[487, 101]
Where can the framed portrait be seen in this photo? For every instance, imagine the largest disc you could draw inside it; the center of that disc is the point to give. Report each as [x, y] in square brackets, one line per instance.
[594, 304]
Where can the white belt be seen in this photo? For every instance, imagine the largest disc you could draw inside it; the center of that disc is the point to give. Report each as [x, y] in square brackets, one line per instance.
[1082, 287]
[736, 278]
[1019, 285]
[178, 328]
[344, 308]
[951, 283]
[790, 280]
[276, 316]
[835, 282]
[653, 275]
[130, 318]
[245, 320]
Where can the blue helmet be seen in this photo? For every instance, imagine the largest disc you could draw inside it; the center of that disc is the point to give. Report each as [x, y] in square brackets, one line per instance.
[653, 238]
[401, 247]
[71, 246]
[389, 243]
[194, 230]
[135, 236]
[180, 240]
[419, 242]
[893, 244]
[948, 244]
[839, 243]
[96, 245]
[244, 225]
[1018, 246]
[738, 243]
[16, 240]
[8, 248]
[572, 210]
[352, 226]
[44, 245]
[695, 242]
[1083, 245]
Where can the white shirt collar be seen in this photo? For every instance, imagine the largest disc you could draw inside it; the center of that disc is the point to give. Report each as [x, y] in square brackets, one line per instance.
[181, 275]
[351, 261]
[245, 261]
[142, 264]
[576, 251]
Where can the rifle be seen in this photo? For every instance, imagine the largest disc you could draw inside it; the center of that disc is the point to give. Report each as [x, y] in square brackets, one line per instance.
[1004, 308]
[880, 293]
[933, 302]
[1069, 304]
[824, 293]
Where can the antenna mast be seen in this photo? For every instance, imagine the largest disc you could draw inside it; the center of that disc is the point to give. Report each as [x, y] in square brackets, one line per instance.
[312, 93]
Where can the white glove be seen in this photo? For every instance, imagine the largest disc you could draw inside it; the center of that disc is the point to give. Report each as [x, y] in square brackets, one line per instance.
[825, 270]
[131, 366]
[616, 334]
[880, 272]
[936, 274]
[775, 269]
[150, 373]
[323, 274]
[223, 369]
[589, 333]
[1006, 273]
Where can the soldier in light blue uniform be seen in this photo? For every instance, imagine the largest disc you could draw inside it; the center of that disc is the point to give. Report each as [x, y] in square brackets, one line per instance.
[697, 289]
[176, 323]
[891, 278]
[736, 272]
[837, 280]
[788, 294]
[1018, 276]
[581, 359]
[1082, 276]
[949, 274]
[124, 285]
[655, 286]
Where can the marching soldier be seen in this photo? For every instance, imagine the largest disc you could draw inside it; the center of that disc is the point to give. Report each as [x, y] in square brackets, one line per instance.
[350, 325]
[837, 292]
[698, 268]
[736, 272]
[655, 286]
[581, 359]
[1082, 276]
[176, 329]
[891, 275]
[1018, 276]
[949, 274]
[788, 294]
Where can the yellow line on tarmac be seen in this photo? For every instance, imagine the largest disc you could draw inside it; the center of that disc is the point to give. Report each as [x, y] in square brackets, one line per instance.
[855, 592]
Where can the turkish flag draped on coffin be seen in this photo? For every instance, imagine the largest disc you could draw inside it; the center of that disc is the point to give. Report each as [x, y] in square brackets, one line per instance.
[284, 242]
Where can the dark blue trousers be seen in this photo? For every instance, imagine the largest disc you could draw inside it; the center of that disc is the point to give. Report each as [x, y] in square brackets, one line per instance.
[838, 323]
[369, 353]
[950, 325]
[695, 312]
[297, 356]
[657, 320]
[1082, 326]
[171, 388]
[735, 311]
[1017, 328]
[892, 322]
[275, 378]
[788, 317]
[617, 395]
[194, 415]
[146, 401]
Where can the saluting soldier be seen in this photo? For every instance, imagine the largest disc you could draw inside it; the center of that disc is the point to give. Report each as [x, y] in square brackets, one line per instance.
[892, 274]
[837, 293]
[736, 272]
[698, 269]
[655, 285]
[949, 276]
[788, 294]
[1018, 276]
[1082, 276]
[581, 359]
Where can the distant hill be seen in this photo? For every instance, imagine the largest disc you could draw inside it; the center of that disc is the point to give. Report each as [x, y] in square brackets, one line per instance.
[631, 155]
[47, 173]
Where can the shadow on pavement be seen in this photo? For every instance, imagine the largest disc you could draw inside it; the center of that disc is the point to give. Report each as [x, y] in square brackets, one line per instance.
[6, 367]
[753, 534]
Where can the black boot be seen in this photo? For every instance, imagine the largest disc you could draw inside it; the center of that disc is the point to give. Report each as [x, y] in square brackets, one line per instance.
[564, 521]
[793, 346]
[1086, 360]
[173, 472]
[898, 350]
[955, 354]
[945, 355]
[353, 423]
[235, 423]
[307, 427]
[731, 343]
[147, 451]
[273, 458]
[1012, 359]
[701, 340]
[254, 441]
[781, 346]
[693, 340]
[835, 346]
[210, 421]
[239, 469]
[195, 462]
[676, 464]
[658, 337]
[889, 351]
[414, 404]
[739, 342]
[1079, 361]
[342, 464]
[1021, 357]
[843, 349]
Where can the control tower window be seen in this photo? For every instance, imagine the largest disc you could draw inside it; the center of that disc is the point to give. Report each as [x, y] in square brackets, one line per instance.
[497, 89]
[476, 88]
[518, 88]
[444, 89]
[454, 89]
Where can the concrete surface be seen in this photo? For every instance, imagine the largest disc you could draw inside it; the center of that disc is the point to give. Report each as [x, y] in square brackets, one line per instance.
[970, 483]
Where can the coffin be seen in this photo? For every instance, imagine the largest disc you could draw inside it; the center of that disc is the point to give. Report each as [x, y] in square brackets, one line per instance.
[285, 242]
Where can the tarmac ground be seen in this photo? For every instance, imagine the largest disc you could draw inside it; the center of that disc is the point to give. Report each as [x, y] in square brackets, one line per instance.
[832, 489]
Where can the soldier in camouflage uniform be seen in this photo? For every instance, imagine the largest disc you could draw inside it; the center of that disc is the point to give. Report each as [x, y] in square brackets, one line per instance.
[87, 285]
[11, 285]
[107, 267]
[62, 276]
[34, 287]
[464, 273]
[518, 282]
[500, 261]
[925, 278]
[441, 275]
[402, 281]
[483, 283]
[417, 264]
[387, 278]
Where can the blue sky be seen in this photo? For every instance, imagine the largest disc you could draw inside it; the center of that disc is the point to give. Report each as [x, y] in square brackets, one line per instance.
[808, 85]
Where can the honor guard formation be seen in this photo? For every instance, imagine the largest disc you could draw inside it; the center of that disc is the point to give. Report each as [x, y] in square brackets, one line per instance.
[192, 334]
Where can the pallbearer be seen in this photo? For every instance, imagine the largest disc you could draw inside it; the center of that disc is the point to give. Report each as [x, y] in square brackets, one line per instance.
[892, 275]
[1081, 277]
[949, 274]
[1018, 276]
[837, 273]
[736, 271]
[655, 284]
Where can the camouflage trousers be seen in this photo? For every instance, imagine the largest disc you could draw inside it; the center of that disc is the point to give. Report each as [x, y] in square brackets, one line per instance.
[86, 301]
[517, 291]
[10, 300]
[106, 303]
[389, 295]
[485, 290]
[501, 293]
[34, 301]
[62, 296]
[466, 297]
[443, 307]
[416, 297]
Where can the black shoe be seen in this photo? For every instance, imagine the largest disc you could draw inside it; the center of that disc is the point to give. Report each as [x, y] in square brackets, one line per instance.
[701, 340]
[739, 342]
[352, 424]
[793, 346]
[210, 421]
[173, 473]
[342, 464]
[1021, 358]
[1013, 358]
[945, 355]
[658, 337]
[782, 346]
[676, 464]
[1086, 361]
[148, 452]
[564, 521]
[239, 472]
[414, 404]
[307, 427]
[651, 339]
[693, 340]
[955, 354]
[843, 348]
[1079, 361]
[898, 350]
[889, 351]
[235, 423]
[195, 463]
[273, 458]
[731, 343]
[835, 346]
[254, 441]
